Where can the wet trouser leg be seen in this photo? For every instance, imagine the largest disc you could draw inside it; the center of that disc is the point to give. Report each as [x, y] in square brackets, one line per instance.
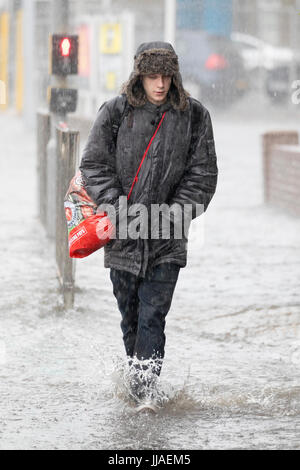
[144, 304]
[125, 286]
[155, 296]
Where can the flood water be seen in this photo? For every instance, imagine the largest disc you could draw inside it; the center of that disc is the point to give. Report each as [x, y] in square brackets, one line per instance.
[232, 365]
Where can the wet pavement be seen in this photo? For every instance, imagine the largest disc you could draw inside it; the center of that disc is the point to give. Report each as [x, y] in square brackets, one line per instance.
[232, 366]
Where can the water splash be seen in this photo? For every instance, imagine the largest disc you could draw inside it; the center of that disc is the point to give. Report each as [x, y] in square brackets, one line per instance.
[169, 397]
[182, 394]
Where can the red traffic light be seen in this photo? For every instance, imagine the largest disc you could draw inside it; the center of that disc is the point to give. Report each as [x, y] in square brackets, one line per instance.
[65, 47]
[64, 54]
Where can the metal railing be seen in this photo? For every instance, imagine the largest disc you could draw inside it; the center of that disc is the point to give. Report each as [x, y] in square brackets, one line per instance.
[43, 137]
[67, 151]
[57, 162]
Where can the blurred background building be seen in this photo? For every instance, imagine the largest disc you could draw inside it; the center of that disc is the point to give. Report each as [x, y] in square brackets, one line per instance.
[111, 30]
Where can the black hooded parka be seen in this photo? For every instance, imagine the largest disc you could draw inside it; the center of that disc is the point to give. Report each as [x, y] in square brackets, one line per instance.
[180, 167]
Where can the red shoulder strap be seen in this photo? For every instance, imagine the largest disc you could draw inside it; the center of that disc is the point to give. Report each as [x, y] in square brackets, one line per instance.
[147, 149]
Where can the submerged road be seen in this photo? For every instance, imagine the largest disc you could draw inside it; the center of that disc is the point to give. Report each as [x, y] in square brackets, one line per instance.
[232, 366]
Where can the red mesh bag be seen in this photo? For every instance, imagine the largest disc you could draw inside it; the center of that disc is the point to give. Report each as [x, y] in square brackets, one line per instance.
[88, 231]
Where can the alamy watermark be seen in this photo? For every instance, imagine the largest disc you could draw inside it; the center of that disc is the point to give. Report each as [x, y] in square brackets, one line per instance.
[2, 92]
[296, 93]
[155, 221]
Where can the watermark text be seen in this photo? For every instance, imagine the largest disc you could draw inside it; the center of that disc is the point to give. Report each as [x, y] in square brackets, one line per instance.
[154, 221]
[296, 93]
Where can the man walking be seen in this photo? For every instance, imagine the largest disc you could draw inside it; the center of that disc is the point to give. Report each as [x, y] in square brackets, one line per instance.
[179, 169]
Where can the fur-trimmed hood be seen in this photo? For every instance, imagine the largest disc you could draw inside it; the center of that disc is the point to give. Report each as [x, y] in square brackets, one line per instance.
[155, 57]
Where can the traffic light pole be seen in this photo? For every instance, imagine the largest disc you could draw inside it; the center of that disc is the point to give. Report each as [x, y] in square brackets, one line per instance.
[60, 25]
[63, 146]
[60, 16]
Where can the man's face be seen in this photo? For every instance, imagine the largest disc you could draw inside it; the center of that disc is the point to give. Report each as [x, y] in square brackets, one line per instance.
[156, 87]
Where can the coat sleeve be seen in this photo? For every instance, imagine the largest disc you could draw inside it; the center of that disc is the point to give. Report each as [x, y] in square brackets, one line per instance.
[98, 163]
[199, 181]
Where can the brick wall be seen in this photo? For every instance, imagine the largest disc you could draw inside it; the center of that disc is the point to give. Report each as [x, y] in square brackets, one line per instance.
[281, 166]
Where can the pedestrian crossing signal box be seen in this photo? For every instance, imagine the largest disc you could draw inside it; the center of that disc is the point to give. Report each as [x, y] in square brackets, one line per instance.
[62, 100]
[63, 54]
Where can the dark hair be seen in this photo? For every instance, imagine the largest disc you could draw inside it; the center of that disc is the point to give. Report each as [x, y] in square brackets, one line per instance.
[136, 95]
[173, 93]
[138, 89]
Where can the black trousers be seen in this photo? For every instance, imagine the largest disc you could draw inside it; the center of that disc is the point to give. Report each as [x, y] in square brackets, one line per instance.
[144, 304]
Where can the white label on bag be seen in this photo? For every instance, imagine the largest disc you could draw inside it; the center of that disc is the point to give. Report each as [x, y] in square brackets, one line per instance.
[77, 235]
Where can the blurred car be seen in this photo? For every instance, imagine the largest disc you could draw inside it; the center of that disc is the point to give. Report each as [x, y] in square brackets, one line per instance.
[211, 67]
[279, 81]
[273, 66]
[258, 54]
